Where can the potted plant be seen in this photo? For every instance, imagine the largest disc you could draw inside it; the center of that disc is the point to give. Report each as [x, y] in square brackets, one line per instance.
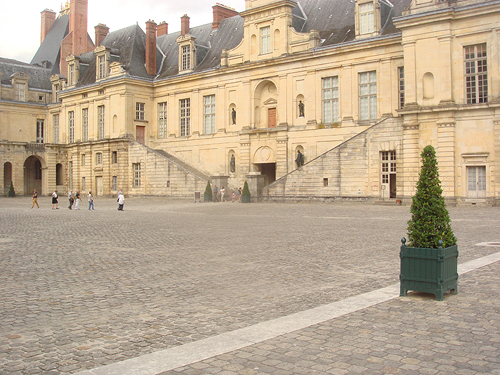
[12, 193]
[207, 196]
[245, 194]
[429, 260]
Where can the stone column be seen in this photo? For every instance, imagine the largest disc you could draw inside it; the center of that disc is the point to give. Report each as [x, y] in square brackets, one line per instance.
[411, 159]
[446, 158]
[495, 172]
[281, 157]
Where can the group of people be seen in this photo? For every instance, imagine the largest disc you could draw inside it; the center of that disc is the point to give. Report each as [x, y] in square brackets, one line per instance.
[75, 199]
[220, 193]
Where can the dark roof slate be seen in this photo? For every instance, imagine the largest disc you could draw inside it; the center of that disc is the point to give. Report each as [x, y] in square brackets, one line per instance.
[39, 77]
[50, 48]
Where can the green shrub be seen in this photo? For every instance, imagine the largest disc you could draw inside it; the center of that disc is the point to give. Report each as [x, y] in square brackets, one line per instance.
[12, 192]
[245, 191]
[430, 221]
[208, 193]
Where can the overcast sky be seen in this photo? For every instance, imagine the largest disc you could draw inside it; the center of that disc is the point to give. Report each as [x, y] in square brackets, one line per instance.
[20, 25]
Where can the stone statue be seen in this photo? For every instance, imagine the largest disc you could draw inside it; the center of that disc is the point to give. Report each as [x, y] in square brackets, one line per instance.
[300, 159]
[233, 116]
[232, 164]
[301, 109]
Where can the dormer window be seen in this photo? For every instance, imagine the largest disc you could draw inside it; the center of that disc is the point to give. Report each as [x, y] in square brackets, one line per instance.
[187, 53]
[57, 85]
[20, 92]
[265, 40]
[102, 62]
[20, 84]
[73, 70]
[186, 58]
[366, 18]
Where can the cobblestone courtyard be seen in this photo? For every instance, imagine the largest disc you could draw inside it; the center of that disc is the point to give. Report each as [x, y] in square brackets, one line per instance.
[83, 289]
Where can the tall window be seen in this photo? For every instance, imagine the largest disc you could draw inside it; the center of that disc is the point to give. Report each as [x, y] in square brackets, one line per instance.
[114, 157]
[85, 124]
[388, 165]
[476, 74]
[83, 160]
[186, 58]
[100, 113]
[139, 111]
[71, 75]
[185, 117]
[137, 174]
[330, 98]
[265, 40]
[71, 126]
[366, 18]
[98, 158]
[39, 131]
[368, 96]
[83, 184]
[55, 123]
[115, 183]
[209, 114]
[162, 120]
[401, 86]
[20, 92]
[101, 60]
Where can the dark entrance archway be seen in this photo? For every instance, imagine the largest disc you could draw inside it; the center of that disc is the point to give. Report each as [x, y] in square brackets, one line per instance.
[7, 177]
[268, 170]
[32, 175]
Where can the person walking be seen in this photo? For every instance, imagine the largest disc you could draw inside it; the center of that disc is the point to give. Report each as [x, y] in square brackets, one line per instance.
[239, 195]
[55, 202]
[77, 200]
[35, 199]
[70, 199]
[121, 201]
[91, 200]
[222, 191]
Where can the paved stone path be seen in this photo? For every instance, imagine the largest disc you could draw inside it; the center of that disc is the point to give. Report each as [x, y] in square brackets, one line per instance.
[83, 290]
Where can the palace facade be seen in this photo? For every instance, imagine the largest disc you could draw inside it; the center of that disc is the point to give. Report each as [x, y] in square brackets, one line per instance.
[304, 99]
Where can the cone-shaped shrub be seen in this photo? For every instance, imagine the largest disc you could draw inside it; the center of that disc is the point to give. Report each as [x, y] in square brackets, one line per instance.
[208, 193]
[246, 191]
[430, 221]
[12, 193]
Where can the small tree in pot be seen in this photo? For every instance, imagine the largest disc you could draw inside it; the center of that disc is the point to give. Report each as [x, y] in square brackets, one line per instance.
[245, 194]
[12, 193]
[429, 262]
[207, 195]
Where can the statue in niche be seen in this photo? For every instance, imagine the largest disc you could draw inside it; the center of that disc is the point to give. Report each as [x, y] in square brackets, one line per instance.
[300, 159]
[301, 109]
[232, 164]
[233, 116]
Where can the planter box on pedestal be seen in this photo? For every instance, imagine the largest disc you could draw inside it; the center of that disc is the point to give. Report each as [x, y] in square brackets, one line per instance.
[429, 270]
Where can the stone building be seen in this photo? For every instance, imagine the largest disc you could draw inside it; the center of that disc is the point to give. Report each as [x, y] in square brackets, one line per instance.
[356, 88]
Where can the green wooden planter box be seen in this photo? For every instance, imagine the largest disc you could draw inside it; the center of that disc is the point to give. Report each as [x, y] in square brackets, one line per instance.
[245, 199]
[207, 197]
[429, 270]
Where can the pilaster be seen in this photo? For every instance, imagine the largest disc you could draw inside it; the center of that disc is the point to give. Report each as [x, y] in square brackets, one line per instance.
[495, 174]
[281, 157]
[411, 158]
[446, 156]
[409, 49]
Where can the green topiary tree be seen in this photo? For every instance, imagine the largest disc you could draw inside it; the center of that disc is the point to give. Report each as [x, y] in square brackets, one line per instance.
[12, 192]
[430, 221]
[246, 191]
[208, 193]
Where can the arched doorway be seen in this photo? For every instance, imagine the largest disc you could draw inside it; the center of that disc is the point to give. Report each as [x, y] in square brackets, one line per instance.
[7, 177]
[266, 103]
[33, 175]
[264, 161]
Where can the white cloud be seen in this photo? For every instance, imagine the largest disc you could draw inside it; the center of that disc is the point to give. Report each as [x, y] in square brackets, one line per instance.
[20, 28]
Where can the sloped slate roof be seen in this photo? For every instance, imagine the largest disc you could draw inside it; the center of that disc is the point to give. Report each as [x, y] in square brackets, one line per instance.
[50, 48]
[39, 77]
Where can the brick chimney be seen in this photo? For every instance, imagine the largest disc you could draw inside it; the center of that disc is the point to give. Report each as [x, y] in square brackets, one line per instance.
[151, 47]
[184, 24]
[48, 19]
[101, 31]
[77, 41]
[162, 29]
[220, 12]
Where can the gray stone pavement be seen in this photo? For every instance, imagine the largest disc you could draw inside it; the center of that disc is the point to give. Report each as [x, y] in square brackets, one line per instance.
[87, 290]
